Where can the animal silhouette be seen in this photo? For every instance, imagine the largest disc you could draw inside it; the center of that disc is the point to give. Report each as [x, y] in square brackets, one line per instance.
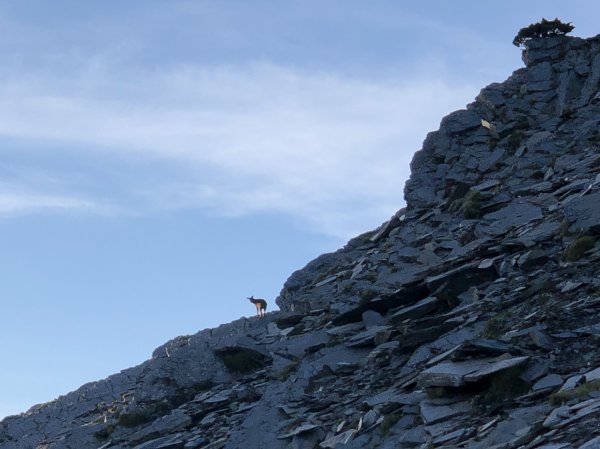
[261, 306]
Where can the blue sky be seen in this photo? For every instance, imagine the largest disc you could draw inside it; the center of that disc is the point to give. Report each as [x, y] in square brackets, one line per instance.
[160, 161]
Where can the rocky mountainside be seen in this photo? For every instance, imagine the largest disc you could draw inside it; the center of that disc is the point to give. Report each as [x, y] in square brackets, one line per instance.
[469, 320]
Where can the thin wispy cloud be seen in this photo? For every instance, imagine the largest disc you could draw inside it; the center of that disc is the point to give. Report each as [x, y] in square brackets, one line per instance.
[13, 204]
[257, 138]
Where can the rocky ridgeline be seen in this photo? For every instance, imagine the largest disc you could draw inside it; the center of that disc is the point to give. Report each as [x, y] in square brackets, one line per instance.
[469, 320]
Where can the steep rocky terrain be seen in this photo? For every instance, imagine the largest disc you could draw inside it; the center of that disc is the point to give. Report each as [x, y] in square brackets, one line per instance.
[469, 320]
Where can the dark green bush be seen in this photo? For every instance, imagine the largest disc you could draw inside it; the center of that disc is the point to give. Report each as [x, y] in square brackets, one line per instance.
[503, 387]
[368, 294]
[134, 419]
[514, 140]
[105, 433]
[150, 412]
[560, 397]
[544, 28]
[287, 371]
[497, 325]
[577, 249]
[472, 205]
[388, 422]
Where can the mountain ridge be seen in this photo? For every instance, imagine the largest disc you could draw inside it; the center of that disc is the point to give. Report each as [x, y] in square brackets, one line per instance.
[469, 319]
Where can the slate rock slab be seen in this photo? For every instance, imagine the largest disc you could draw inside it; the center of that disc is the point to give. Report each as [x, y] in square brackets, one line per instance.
[370, 337]
[510, 216]
[340, 439]
[394, 397]
[372, 318]
[303, 428]
[167, 442]
[418, 310]
[584, 213]
[460, 121]
[452, 283]
[594, 443]
[548, 382]
[175, 420]
[457, 374]
[432, 413]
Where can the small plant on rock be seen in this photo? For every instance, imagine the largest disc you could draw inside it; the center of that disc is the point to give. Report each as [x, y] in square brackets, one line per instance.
[368, 294]
[105, 433]
[472, 205]
[287, 371]
[578, 248]
[503, 387]
[388, 422]
[134, 419]
[496, 325]
[560, 397]
[544, 28]
[514, 140]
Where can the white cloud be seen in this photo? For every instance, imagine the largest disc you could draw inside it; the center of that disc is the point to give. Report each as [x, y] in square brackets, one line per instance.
[331, 151]
[21, 203]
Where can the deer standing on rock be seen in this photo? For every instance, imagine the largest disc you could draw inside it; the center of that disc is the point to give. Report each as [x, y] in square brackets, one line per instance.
[261, 306]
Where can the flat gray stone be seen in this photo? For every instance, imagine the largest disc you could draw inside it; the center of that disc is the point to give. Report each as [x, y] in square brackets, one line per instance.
[370, 337]
[556, 416]
[485, 185]
[514, 431]
[594, 443]
[592, 375]
[512, 215]
[394, 397]
[342, 438]
[454, 282]
[414, 437]
[450, 374]
[584, 213]
[570, 286]
[449, 437]
[372, 318]
[554, 446]
[460, 121]
[418, 310]
[304, 428]
[196, 443]
[166, 442]
[496, 367]
[456, 374]
[176, 420]
[431, 413]
[547, 382]
[535, 371]
[573, 382]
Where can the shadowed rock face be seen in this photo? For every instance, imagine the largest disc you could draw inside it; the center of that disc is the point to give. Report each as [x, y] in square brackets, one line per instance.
[458, 323]
[242, 359]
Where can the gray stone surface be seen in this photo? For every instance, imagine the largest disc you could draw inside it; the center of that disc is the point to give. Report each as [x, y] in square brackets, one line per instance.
[584, 213]
[550, 381]
[515, 214]
[594, 443]
[432, 413]
[456, 374]
[418, 310]
[372, 319]
[460, 121]
[460, 279]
